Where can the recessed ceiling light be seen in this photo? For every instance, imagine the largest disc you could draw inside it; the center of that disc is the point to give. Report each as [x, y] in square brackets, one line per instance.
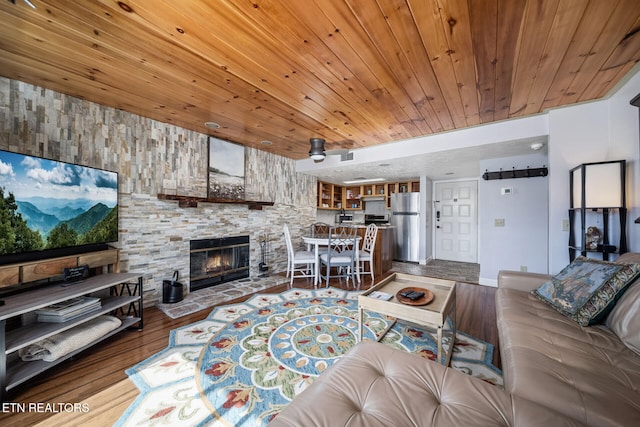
[536, 146]
[212, 125]
[265, 142]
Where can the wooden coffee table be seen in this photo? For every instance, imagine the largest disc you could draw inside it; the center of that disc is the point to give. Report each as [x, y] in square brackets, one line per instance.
[434, 314]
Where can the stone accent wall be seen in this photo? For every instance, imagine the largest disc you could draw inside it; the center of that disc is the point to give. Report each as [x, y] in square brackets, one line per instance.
[152, 157]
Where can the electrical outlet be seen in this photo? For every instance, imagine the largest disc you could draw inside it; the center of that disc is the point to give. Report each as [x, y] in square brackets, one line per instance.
[565, 225]
[523, 268]
[499, 222]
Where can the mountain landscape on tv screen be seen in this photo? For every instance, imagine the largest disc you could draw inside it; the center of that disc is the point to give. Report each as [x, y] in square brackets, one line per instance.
[50, 224]
[43, 219]
[46, 204]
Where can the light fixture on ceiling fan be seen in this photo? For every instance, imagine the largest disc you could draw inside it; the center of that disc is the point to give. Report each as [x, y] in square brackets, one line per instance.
[317, 149]
[318, 153]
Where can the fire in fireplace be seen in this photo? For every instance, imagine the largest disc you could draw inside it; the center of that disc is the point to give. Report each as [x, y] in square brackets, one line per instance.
[216, 261]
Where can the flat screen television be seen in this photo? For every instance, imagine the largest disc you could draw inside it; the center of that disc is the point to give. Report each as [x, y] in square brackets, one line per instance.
[50, 208]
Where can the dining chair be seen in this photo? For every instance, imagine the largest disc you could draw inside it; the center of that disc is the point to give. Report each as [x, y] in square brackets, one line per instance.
[340, 254]
[368, 246]
[319, 229]
[302, 262]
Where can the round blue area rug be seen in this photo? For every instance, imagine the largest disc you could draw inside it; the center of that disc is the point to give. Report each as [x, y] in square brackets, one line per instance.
[259, 363]
[245, 362]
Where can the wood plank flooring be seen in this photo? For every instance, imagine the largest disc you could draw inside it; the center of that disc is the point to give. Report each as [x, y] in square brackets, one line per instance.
[97, 378]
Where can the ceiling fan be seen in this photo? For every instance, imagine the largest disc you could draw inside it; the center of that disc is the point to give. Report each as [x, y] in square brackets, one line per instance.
[318, 153]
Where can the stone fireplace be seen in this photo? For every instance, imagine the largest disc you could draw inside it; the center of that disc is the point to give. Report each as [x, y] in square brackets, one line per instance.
[218, 260]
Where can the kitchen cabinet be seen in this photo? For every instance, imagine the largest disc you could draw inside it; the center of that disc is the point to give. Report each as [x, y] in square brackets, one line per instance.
[330, 196]
[401, 187]
[353, 197]
[374, 190]
[333, 196]
[404, 187]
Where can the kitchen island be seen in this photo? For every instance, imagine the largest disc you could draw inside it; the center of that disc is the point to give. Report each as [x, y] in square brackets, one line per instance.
[383, 251]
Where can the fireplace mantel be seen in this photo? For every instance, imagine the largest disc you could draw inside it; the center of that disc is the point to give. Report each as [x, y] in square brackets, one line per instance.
[192, 201]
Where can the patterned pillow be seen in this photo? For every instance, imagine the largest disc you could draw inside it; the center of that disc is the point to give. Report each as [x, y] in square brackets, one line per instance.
[587, 289]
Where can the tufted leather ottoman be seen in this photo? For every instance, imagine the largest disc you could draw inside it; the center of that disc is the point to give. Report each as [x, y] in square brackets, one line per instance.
[375, 385]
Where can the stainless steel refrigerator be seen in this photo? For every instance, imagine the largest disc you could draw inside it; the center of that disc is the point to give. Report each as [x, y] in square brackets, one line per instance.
[405, 216]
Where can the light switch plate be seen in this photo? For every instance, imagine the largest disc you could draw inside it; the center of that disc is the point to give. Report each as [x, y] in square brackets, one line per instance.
[499, 222]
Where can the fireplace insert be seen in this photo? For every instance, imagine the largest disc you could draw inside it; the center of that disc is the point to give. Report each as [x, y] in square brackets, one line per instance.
[218, 260]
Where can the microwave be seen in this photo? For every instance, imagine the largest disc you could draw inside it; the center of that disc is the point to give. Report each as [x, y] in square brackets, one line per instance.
[342, 218]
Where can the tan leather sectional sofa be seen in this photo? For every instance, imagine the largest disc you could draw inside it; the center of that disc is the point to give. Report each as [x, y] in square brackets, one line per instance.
[556, 373]
[591, 374]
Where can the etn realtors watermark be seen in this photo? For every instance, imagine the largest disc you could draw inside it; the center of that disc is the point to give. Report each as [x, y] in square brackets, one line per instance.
[44, 407]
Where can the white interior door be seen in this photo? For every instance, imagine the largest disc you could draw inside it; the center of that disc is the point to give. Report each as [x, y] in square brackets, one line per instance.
[456, 221]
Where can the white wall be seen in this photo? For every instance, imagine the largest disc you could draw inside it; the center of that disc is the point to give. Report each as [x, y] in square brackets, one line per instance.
[593, 132]
[425, 252]
[624, 137]
[522, 242]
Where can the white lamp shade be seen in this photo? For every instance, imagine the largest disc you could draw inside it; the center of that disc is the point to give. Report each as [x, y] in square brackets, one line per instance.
[603, 185]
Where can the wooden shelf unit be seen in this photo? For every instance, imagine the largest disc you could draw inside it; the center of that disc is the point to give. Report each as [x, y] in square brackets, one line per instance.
[120, 294]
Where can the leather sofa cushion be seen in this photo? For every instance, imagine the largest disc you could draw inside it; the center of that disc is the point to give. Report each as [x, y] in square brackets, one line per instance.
[375, 385]
[624, 319]
[585, 373]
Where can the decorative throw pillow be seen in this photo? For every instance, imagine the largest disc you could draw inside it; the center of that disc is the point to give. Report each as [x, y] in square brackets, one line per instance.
[587, 289]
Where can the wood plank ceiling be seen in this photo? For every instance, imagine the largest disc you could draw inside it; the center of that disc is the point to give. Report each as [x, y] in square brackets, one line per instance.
[355, 72]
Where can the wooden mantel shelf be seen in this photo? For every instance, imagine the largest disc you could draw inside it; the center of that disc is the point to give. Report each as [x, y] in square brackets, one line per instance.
[192, 201]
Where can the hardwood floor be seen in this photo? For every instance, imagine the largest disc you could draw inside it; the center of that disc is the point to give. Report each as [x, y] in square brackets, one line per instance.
[97, 379]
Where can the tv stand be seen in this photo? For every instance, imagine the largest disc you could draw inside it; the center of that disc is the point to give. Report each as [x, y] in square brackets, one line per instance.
[120, 294]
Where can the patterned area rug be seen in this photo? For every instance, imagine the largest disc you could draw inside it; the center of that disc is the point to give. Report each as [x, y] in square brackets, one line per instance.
[245, 362]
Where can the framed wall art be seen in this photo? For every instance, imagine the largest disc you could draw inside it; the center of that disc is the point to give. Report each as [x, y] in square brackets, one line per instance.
[226, 170]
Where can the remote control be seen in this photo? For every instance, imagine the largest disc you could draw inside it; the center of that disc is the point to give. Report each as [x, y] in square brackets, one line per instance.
[406, 294]
[412, 295]
[416, 295]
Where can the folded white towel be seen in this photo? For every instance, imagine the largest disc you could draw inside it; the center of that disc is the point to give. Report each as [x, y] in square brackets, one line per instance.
[56, 346]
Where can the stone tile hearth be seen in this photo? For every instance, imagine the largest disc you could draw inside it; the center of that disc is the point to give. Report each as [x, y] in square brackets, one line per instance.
[208, 297]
